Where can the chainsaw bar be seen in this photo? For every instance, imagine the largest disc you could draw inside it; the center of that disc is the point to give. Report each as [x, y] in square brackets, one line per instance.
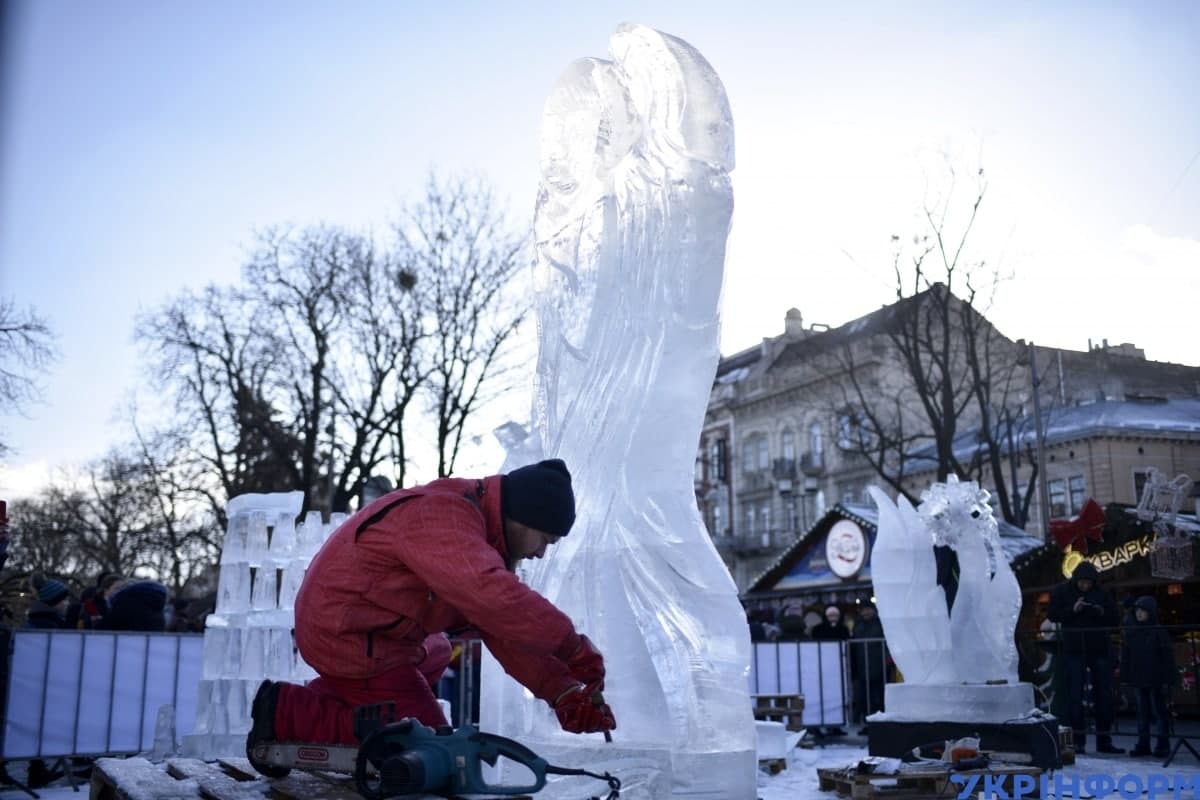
[292, 755]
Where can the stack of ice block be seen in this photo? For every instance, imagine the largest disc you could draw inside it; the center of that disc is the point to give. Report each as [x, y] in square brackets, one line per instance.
[249, 637]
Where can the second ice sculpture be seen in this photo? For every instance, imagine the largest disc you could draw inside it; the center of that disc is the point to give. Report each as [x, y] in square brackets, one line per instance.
[632, 216]
[948, 657]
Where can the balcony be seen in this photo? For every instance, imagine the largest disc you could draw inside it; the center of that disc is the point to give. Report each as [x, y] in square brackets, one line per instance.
[754, 543]
[784, 469]
[812, 464]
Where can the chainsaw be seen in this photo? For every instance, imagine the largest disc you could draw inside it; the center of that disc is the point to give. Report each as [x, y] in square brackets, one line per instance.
[404, 757]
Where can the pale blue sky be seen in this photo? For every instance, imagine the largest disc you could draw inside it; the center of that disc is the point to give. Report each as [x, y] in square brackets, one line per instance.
[143, 142]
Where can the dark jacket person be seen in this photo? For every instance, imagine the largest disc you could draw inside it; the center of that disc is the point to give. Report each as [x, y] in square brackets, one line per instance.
[1088, 615]
[1148, 665]
[137, 605]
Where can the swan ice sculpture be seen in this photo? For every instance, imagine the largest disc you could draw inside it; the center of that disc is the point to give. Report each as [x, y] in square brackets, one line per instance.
[947, 656]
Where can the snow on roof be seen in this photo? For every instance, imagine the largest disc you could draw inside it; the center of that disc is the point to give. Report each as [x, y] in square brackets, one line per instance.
[1068, 423]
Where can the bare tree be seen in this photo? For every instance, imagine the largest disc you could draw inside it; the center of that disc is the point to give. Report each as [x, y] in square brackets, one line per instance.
[959, 377]
[304, 376]
[459, 241]
[184, 537]
[26, 347]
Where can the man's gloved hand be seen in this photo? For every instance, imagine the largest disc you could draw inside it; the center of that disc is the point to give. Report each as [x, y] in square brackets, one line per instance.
[586, 664]
[581, 709]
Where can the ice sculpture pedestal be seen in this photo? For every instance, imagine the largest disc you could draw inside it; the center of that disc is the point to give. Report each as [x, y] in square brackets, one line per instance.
[958, 702]
[644, 772]
[1003, 716]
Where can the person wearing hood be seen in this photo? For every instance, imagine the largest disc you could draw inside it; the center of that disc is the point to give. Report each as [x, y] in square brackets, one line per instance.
[379, 597]
[135, 605]
[1148, 666]
[1088, 614]
[49, 608]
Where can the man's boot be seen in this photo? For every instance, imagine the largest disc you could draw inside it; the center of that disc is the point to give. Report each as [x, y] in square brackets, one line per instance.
[1104, 745]
[1142, 748]
[1162, 747]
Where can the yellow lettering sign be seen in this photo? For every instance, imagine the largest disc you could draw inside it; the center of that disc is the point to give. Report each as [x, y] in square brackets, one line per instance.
[1107, 559]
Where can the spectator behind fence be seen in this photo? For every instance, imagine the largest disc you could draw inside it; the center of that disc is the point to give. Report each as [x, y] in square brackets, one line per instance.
[831, 630]
[135, 605]
[868, 662]
[91, 606]
[757, 632]
[49, 609]
[791, 625]
[1148, 666]
[1088, 615]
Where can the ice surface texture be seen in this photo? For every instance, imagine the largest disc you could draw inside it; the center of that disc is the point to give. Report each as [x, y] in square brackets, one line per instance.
[632, 216]
[973, 643]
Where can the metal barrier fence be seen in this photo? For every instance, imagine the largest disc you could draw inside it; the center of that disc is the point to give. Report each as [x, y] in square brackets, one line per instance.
[818, 670]
[92, 693]
[841, 681]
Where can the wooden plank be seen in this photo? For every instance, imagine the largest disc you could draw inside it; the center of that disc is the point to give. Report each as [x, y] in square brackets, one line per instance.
[298, 785]
[214, 782]
[137, 779]
[909, 784]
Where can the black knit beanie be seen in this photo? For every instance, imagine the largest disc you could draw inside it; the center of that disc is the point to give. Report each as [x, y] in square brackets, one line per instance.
[540, 496]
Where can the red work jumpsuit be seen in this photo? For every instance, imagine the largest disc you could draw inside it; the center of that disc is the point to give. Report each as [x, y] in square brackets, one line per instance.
[374, 604]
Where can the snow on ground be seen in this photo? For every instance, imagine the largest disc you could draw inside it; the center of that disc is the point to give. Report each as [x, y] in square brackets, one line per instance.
[799, 780]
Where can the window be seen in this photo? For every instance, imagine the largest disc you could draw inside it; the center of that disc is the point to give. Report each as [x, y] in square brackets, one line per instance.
[718, 519]
[1057, 489]
[748, 455]
[847, 431]
[1078, 490]
[717, 455]
[787, 444]
[756, 454]
[751, 520]
[1139, 483]
[815, 445]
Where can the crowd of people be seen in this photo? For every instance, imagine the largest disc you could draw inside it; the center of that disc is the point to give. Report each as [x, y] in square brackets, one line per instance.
[112, 603]
[870, 665]
[1086, 614]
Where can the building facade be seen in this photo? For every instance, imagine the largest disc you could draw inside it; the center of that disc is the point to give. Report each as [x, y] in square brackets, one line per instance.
[777, 449]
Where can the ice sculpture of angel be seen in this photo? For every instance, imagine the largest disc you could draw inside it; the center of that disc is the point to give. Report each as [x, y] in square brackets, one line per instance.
[632, 216]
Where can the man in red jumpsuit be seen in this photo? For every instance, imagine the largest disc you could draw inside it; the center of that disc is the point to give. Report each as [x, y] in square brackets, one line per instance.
[377, 599]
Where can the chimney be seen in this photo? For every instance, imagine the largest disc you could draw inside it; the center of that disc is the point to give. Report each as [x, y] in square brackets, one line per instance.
[793, 324]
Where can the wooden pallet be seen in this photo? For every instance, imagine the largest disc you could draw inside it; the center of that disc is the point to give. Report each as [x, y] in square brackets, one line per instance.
[225, 779]
[785, 708]
[912, 784]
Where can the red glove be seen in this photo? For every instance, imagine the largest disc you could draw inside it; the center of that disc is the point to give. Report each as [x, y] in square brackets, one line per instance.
[582, 709]
[586, 664]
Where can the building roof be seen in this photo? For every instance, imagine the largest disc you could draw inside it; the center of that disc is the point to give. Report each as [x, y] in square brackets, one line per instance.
[1146, 416]
[1016, 543]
